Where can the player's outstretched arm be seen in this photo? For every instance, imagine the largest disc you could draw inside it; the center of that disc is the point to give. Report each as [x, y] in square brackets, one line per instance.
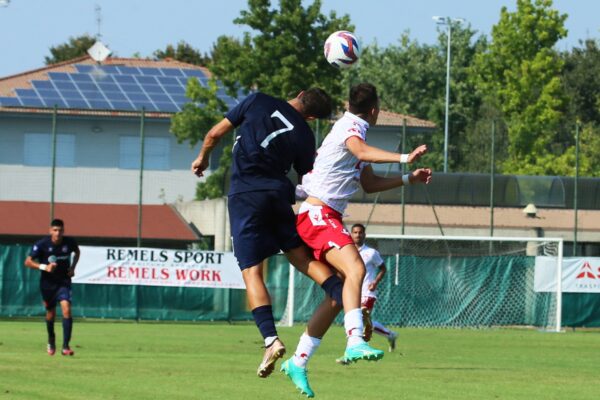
[371, 154]
[372, 183]
[200, 164]
[417, 153]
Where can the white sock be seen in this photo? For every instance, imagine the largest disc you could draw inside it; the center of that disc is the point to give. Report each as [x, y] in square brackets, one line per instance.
[269, 340]
[353, 324]
[379, 329]
[306, 348]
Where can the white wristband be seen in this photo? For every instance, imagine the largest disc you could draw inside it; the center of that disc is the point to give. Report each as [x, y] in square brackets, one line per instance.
[404, 158]
[43, 267]
[405, 179]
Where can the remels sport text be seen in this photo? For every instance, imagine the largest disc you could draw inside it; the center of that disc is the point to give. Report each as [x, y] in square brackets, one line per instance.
[180, 256]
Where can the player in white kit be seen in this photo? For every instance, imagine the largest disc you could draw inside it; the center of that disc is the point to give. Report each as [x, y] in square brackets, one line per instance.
[375, 271]
[342, 164]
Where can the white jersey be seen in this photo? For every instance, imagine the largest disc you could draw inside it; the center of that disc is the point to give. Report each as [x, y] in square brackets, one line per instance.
[372, 260]
[336, 173]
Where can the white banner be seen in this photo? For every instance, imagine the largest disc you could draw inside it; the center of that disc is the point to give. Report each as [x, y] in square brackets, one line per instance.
[157, 267]
[579, 275]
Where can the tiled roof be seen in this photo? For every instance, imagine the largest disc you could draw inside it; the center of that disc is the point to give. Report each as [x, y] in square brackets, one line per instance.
[22, 218]
[23, 81]
[388, 118]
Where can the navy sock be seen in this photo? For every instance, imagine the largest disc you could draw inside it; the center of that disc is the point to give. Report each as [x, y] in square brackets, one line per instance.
[333, 287]
[50, 329]
[263, 316]
[67, 324]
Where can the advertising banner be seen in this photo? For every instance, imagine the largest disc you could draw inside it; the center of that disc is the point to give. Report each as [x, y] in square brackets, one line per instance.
[157, 267]
[579, 275]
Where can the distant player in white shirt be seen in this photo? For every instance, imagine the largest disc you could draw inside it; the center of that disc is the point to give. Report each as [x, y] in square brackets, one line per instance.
[341, 166]
[375, 271]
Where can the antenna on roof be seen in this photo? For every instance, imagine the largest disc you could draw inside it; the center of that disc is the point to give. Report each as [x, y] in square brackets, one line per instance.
[99, 52]
[98, 10]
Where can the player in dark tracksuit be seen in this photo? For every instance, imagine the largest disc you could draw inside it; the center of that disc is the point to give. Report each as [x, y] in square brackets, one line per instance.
[52, 256]
[272, 136]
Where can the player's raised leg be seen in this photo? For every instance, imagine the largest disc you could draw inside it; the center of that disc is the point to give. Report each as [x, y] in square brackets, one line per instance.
[348, 261]
[296, 366]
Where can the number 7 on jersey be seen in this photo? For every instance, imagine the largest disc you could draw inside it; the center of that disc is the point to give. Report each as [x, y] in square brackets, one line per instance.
[273, 135]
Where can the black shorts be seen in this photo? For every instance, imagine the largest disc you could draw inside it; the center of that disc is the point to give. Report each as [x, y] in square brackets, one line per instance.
[262, 223]
[53, 293]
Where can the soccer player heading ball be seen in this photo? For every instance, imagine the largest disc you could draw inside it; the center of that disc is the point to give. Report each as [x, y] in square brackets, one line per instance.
[272, 136]
[342, 164]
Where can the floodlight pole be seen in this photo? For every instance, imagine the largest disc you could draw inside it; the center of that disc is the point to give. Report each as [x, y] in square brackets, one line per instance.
[447, 21]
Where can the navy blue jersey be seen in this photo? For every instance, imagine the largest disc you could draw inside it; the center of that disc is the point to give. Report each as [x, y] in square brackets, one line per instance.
[44, 249]
[271, 138]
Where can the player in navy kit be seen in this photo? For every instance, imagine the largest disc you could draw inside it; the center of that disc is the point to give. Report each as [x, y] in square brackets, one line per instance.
[272, 136]
[52, 256]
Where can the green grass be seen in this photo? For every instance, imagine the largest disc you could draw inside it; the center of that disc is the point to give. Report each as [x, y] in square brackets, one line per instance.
[204, 361]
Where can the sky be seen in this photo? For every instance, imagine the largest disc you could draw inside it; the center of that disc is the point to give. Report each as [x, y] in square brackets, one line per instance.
[28, 28]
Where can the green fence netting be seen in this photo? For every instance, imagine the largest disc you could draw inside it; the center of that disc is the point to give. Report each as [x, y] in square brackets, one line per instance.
[418, 292]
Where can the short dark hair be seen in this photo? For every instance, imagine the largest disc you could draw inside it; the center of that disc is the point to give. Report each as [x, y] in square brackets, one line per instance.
[316, 103]
[57, 222]
[363, 98]
[361, 226]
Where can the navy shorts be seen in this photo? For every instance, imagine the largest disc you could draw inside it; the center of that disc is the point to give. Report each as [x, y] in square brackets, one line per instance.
[262, 223]
[55, 293]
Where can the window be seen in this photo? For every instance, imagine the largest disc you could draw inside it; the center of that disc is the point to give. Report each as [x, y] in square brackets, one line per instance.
[38, 150]
[156, 153]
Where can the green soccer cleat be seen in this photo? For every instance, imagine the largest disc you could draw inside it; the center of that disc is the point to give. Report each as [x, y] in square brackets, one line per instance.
[360, 351]
[298, 376]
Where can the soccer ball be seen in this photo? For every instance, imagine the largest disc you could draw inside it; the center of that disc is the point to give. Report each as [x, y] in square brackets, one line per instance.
[341, 49]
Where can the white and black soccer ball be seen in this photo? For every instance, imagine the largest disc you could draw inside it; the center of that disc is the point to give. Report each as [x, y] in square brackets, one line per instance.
[342, 49]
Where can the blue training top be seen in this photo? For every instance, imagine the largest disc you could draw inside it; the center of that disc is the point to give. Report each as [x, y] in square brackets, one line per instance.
[44, 249]
[271, 137]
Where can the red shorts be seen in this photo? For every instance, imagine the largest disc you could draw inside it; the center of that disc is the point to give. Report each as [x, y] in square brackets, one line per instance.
[368, 303]
[321, 228]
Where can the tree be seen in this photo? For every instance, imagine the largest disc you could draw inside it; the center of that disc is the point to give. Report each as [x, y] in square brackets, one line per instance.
[582, 81]
[285, 55]
[411, 79]
[520, 74]
[182, 52]
[203, 111]
[75, 47]
[582, 84]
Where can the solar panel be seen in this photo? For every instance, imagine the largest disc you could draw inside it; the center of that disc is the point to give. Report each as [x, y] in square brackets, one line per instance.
[116, 96]
[59, 76]
[172, 72]
[32, 102]
[153, 89]
[42, 84]
[71, 94]
[64, 85]
[10, 101]
[73, 103]
[151, 71]
[113, 87]
[82, 77]
[27, 93]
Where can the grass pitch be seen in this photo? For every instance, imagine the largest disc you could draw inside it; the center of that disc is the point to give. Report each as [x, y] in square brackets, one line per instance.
[203, 361]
